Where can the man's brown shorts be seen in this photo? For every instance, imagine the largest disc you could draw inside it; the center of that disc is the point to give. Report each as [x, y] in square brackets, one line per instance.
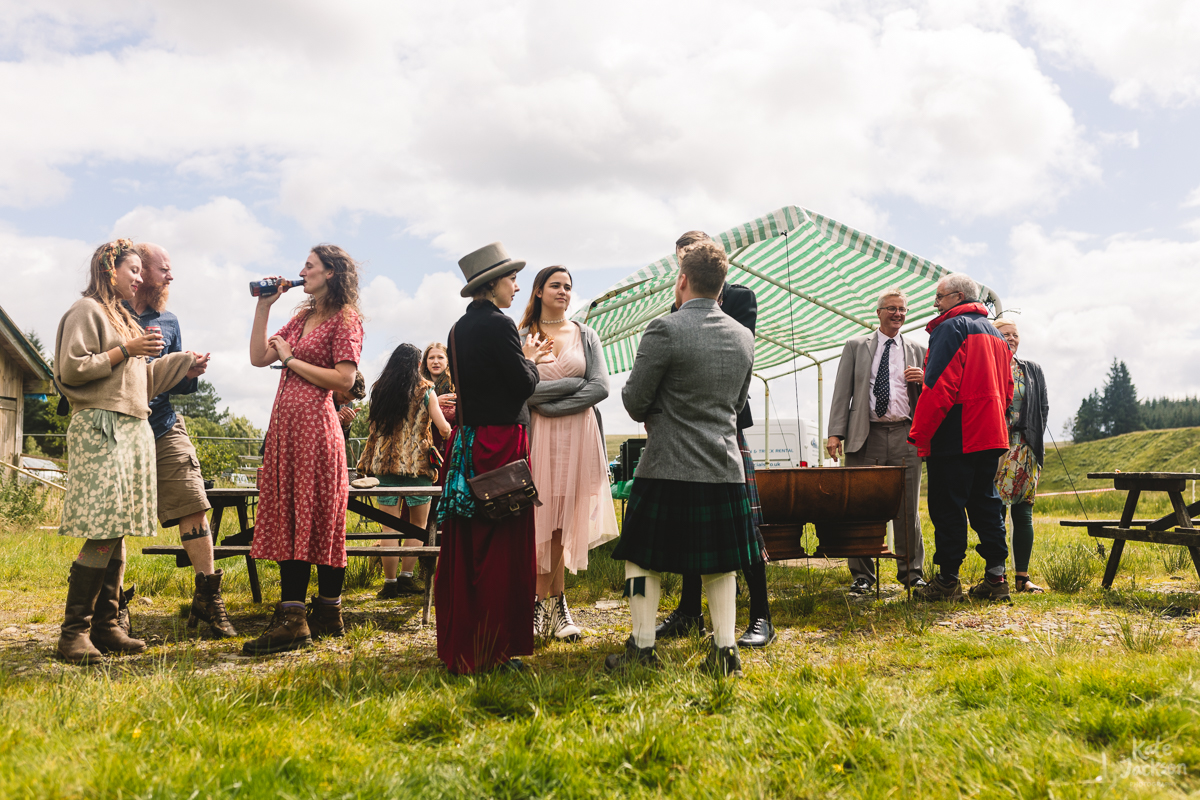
[180, 485]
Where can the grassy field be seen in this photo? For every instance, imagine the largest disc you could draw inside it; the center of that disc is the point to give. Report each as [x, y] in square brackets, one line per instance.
[1077, 693]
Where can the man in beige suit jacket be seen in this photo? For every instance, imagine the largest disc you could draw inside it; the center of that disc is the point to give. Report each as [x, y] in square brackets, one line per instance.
[870, 415]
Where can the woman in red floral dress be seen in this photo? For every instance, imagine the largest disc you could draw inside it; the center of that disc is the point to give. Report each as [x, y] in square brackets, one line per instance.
[303, 491]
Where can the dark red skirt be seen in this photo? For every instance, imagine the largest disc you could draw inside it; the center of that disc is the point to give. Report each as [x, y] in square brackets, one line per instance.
[487, 572]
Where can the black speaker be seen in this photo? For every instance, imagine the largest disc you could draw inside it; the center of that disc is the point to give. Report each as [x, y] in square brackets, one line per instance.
[630, 455]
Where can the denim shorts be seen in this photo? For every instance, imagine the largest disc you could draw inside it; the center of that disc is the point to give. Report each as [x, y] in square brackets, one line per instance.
[404, 480]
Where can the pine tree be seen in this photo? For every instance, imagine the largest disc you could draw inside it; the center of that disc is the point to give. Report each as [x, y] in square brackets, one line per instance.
[201, 404]
[1121, 412]
[1089, 421]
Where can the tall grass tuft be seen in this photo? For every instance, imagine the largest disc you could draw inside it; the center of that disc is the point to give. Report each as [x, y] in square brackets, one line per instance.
[1143, 633]
[21, 504]
[1175, 559]
[1069, 569]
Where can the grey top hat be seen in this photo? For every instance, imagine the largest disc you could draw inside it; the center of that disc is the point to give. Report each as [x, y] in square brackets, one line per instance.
[485, 264]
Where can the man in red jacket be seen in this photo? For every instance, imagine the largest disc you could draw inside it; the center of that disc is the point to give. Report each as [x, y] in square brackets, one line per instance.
[959, 428]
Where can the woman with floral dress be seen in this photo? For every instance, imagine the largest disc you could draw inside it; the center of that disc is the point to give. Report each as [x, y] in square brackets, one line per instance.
[1021, 466]
[303, 492]
[101, 367]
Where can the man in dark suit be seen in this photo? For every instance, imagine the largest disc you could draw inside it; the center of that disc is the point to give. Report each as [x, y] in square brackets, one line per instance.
[740, 303]
[873, 402]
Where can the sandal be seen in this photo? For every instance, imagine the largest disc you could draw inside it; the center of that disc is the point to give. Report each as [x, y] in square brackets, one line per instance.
[1023, 584]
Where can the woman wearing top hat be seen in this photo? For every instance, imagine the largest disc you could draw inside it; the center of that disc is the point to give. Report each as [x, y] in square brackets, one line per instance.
[486, 570]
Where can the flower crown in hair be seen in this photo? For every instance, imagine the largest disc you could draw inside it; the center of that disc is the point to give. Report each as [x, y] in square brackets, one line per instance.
[110, 254]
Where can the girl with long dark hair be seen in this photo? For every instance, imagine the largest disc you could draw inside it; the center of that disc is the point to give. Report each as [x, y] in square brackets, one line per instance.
[567, 452]
[303, 491]
[399, 451]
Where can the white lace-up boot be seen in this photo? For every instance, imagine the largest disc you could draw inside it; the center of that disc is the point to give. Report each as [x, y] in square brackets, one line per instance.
[561, 624]
[541, 618]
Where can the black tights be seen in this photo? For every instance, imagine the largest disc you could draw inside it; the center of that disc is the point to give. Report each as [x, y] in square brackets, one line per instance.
[756, 582]
[293, 581]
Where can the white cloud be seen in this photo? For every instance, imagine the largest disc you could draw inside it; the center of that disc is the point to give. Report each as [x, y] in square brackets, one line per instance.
[1085, 302]
[577, 133]
[1193, 199]
[1149, 50]
[1122, 138]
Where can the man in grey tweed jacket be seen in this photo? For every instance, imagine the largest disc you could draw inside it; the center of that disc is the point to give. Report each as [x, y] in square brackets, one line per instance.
[688, 508]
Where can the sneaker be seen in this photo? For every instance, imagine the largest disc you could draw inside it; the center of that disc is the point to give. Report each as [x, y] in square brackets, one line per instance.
[939, 589]
[677, 625]
[633, 656]
[861, 586]
[407, 584]
[760, 634]
[989, 589]
[541, 618]
[388, 592]
[288, 630]
[723, 662]
[561, 624]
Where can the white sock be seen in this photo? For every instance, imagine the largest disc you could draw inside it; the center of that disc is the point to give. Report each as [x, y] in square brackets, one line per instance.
[389, 580]
[405, 574]
[721, 591]
[644, 608]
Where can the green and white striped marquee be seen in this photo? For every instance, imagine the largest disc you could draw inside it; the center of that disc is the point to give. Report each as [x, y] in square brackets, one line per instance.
[816, 280]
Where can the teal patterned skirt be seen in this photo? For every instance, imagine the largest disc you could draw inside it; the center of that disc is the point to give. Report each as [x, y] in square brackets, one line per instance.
[111, 477]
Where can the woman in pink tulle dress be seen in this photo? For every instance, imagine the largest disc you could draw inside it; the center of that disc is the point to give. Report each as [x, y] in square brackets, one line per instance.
[567, 453]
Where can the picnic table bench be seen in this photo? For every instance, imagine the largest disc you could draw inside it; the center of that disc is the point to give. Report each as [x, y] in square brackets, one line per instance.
[238, 544]
[1159, 531]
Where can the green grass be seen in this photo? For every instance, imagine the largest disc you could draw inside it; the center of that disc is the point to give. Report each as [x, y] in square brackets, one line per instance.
[1061, 695]
[1172, 450]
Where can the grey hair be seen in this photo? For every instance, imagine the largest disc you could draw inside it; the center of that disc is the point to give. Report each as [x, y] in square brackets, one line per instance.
[895, 291]
[961, 282]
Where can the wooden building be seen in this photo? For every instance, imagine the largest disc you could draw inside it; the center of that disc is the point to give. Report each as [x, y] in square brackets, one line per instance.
[22, 372]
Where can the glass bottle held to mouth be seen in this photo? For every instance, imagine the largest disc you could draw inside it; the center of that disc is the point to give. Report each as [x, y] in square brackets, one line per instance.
[269, 286]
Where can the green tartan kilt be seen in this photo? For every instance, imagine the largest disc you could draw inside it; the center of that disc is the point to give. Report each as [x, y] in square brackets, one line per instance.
[686, 527]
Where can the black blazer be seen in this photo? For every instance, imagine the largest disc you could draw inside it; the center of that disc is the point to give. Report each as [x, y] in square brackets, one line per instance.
[493, 377]
[741, 303]
[1034, 411]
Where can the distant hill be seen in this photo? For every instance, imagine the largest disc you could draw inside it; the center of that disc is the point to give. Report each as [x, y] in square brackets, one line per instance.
[1171, 450]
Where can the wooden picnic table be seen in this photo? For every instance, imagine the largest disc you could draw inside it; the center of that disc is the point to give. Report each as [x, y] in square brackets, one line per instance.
[1159, 531]
[238, 544]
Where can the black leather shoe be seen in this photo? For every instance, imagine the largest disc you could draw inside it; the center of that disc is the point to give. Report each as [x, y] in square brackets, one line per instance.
[678, 625]
[861, 586]
[723, 662]
[632, 657]
[917, 583]
[760, 634]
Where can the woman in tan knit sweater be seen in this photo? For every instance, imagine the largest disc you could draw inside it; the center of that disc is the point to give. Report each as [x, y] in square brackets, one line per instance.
[102, 366]
[398, 450]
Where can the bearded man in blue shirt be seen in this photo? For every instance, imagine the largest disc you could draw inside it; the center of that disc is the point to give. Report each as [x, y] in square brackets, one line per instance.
[182, 499]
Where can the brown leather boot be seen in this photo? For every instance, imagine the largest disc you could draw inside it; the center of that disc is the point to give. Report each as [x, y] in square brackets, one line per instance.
[74, 646]
[124, 622]
[209, 606]
[288, 631]
[107, 634]
[325, 619]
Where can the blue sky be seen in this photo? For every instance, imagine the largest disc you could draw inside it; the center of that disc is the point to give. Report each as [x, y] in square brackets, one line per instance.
[1047, 149]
